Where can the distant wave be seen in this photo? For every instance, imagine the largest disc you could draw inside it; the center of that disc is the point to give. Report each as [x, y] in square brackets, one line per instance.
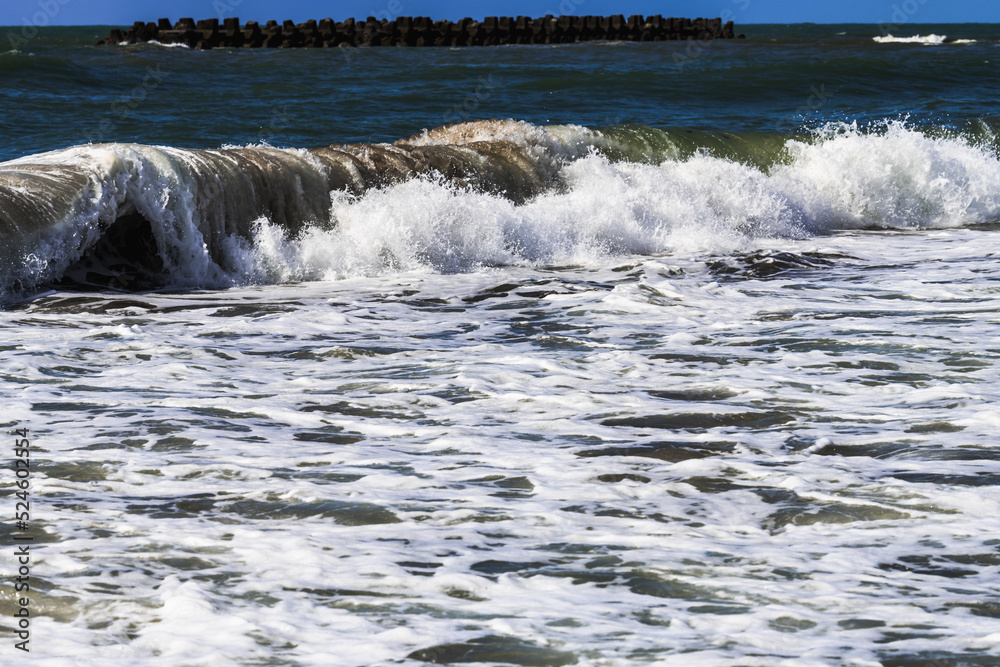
[922, 39]
[165, 46]
[463, 197]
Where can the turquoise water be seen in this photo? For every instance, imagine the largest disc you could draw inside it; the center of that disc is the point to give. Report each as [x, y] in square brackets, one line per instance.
[599, 354]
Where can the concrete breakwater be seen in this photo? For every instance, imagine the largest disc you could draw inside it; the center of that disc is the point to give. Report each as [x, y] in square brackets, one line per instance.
[421, 31]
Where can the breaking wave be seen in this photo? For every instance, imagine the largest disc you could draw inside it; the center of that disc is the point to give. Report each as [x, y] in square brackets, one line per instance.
[463, 197]
[929, 40]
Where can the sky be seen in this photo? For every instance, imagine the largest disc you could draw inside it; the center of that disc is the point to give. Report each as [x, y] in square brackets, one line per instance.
[125, 12]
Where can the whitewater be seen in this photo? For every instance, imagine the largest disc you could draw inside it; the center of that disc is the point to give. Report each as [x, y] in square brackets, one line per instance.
[460, 198]
[542, 387]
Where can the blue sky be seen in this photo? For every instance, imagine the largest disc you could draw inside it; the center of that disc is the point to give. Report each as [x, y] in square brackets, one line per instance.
[125, 12]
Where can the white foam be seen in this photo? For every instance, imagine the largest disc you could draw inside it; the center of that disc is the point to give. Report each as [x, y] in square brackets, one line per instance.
[607, 210]
[172, 506]
[172, 45]
[897, 178]
[894, 178]
[930, 40]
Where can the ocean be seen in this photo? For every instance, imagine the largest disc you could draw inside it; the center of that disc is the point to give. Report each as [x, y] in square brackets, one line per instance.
[603, 354]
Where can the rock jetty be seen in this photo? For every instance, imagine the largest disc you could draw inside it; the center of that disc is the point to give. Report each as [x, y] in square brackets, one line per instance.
[421, 31]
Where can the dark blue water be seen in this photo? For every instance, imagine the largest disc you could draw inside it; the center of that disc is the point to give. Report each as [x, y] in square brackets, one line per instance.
[60, 91]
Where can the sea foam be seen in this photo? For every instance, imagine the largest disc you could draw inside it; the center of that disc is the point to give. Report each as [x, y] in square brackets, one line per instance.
[845, 178]
[930, 40]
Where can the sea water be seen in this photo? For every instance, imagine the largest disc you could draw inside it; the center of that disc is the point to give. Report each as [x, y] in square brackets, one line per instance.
[718, 387]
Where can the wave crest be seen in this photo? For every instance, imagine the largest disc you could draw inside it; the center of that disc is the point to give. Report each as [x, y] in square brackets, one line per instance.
[930, 40]
[464, 197]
